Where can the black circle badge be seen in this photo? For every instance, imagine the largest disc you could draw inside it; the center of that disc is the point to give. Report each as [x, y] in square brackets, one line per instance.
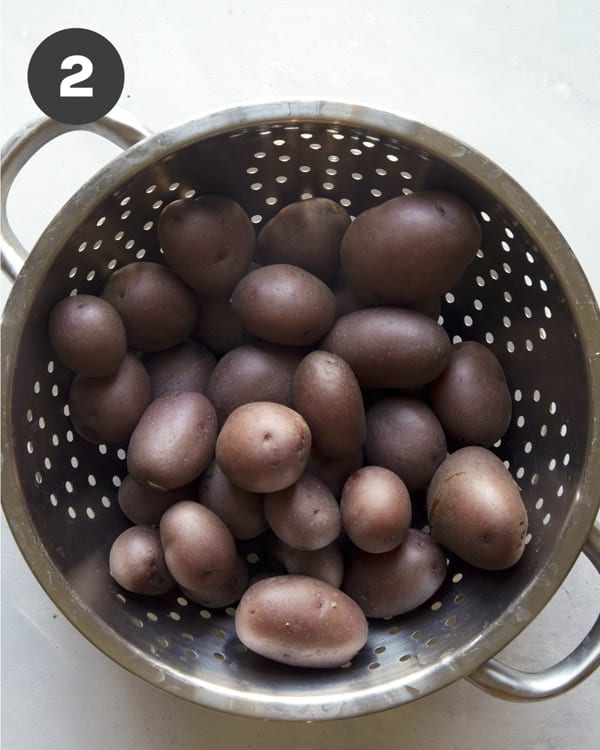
[75, 76]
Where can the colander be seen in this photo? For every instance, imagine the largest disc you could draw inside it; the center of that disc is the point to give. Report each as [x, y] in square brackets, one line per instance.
[524, 295]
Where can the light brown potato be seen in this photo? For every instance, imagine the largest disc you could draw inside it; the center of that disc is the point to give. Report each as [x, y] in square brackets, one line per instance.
[137, 562]
[263, 446]
[475, 509]
[300, 621]
[392, 583]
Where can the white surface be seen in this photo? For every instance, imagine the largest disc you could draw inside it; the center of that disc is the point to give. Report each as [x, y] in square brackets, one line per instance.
[517, 80]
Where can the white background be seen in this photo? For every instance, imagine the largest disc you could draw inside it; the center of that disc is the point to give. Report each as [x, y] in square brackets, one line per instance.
[520, 81]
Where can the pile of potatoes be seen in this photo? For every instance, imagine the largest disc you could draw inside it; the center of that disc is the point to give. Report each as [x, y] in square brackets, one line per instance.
[294, 385]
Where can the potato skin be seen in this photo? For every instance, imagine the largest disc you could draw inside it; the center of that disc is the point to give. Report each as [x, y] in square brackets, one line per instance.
[174, 440]
[475, 509]
[144, 506]
[471, 397]
[392, 583]
[333, 472]
[87, 335]
[325, 564]
[327, 394]
[218, 326]
[137, 562]
[389, 347]
[300, 621]
[216, 595]
[141, 293]
[411, 248]
[199, 549]
[284, 304]
[208, 241]
[263, 446]
[106, 410]
[185, 367]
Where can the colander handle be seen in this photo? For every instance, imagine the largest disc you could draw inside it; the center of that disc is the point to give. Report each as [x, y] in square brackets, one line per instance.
[509, 683]
[119, 127]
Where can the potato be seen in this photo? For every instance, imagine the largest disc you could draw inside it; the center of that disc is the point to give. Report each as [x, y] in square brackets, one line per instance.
[305, 515]
[253, 372]
[242, 511]
[405, 436]
[199, 549]
[144, 505]
[208, 241]
[325, 564]
[389, 347]
[185, 367]
[157, 309]
[471, 397]
[376, 509]
[475, 509]
[326, 393]
[392, 583]
[87, 335]
[333, 472]
[284, 304]
[174, 440]
[300, 621]
[137, 562]
[222, 593]
[263, 446]
[410, 249]
[306, 233]
[106, 410]
[218, 326]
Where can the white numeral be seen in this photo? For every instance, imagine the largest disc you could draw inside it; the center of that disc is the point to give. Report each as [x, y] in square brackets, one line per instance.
[67, 85]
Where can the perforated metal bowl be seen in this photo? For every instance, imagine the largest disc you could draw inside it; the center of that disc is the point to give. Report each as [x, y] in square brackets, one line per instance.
[524, 295]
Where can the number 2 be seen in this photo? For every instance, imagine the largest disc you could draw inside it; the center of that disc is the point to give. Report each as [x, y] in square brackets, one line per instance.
[67, 85]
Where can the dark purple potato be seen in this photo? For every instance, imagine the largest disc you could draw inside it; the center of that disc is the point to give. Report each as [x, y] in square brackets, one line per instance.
[216, 595]
[327, 394]
[325, 564]
[410, 249]
[173, 441]
[263, 446]
[137, 562]
[106, 410]
[306, 233]
[253, 372]
[157, 308]
[345, 299]
[284, 304]
[199, 549]
[209, 242]
[390, 347]
[218, 326]
[333, 472]
[376, 509]
[404, 435]
[305, 515]
[144, 505]
[87, 335]
[392, 583]
[471, 397]
[475, 509]
[185, 367]
[242, 511]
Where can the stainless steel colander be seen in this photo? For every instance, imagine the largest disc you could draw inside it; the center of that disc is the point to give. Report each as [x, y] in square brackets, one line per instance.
[524, 295]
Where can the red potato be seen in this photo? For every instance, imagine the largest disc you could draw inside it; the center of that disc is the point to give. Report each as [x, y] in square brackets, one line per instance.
[137, 562]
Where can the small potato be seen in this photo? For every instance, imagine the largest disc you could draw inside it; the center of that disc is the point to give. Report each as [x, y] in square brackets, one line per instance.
[284, 304]
[106, 410]
[242, 511]
[475, 509]
[376, 509]
[173, 441]
[199, 549]
[185, 367]
[300, 621]
[208, 241]
[137, 562]
[405, 436]
[157, 309]
[471, 397]
[144, 505]
[327, 394]
[253, 372]
[263, 446]
[218, 326]
[222, 593]
[325, 564]
[306, 233]
[392, 583]
[87, 335]
[305, 516]
[390, 347]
